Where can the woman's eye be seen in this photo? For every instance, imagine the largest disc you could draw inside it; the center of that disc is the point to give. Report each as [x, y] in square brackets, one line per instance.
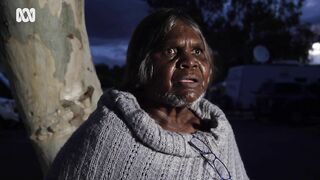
[171, 51]
[197, 51]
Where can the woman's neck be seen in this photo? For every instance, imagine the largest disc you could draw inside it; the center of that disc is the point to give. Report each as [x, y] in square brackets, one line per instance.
[176, 119]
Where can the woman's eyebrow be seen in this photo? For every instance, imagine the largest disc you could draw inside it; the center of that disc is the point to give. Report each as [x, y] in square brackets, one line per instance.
[198, 44]
[167, 43]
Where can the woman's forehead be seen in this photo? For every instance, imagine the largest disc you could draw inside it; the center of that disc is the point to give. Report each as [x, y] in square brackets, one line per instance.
[182, 29]
[182, 25]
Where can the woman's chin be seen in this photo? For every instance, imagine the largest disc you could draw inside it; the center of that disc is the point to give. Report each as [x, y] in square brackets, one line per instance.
[180, 100]
[189, 97]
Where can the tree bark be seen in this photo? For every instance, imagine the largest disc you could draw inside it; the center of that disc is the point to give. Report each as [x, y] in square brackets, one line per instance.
[50, 68]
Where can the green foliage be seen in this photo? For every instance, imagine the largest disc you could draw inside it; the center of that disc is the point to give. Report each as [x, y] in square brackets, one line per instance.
[234, 27]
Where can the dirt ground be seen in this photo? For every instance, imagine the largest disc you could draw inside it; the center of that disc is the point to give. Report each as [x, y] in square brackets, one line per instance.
[278, 151]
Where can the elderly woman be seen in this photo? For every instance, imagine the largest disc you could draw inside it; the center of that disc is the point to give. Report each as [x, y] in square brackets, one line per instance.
[158, 126]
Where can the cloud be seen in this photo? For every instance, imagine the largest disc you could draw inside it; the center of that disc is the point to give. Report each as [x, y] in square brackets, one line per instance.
[310, 11]
[114, 19]
[109, 51]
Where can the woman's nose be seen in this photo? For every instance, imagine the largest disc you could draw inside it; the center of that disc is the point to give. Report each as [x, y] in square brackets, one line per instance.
[187, 61]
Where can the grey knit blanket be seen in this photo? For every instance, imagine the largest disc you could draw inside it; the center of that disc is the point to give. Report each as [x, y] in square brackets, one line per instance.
[121, 141]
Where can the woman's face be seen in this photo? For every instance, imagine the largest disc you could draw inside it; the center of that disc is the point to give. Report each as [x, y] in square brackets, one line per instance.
[181, 71]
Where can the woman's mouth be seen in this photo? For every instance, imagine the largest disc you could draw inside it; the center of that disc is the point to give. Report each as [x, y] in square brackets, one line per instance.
[188, 81]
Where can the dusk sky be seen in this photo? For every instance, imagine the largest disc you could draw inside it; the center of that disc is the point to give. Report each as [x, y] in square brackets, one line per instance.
[114, 18]
[111, 23]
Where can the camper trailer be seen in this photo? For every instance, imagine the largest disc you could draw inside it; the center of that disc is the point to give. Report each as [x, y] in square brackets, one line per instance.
[243, 83]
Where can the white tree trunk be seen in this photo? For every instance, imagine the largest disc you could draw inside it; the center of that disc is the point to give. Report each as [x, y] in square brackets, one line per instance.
[50, 69]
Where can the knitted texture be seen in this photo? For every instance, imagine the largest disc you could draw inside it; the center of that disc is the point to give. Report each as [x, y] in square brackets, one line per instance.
[121, 141]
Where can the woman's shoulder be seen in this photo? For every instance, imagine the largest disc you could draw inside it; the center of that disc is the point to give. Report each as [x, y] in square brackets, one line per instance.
[100, 128]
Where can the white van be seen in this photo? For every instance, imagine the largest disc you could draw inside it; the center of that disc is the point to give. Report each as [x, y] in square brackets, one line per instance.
[243, 82]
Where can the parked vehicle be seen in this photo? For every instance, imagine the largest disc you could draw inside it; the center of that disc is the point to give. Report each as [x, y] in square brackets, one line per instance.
[243, 82]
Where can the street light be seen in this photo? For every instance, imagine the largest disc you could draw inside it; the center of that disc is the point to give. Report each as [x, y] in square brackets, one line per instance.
[314, 53]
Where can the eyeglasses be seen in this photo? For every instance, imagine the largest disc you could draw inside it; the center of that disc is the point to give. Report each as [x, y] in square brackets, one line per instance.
[207, 154]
